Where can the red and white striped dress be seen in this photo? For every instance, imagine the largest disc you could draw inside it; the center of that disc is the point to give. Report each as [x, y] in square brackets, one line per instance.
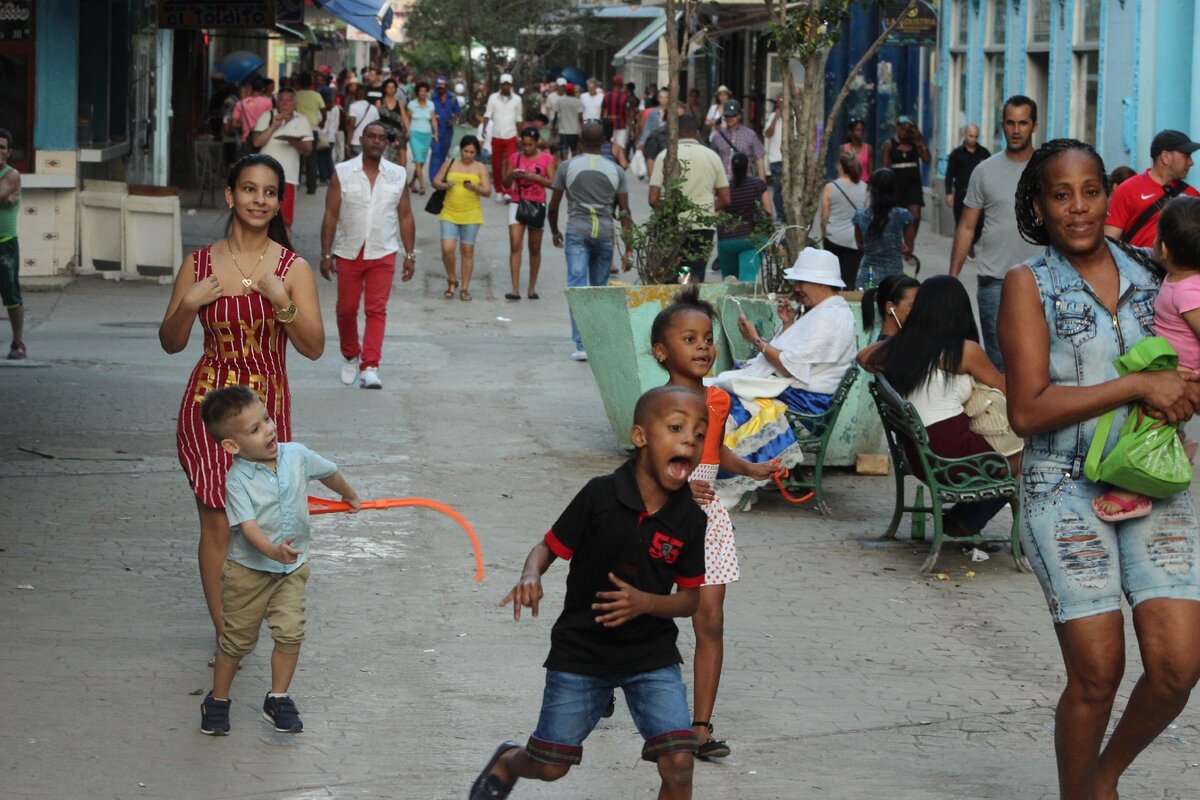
[243, 346]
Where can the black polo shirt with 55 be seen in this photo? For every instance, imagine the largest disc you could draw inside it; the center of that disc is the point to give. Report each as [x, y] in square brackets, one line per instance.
[606, 529]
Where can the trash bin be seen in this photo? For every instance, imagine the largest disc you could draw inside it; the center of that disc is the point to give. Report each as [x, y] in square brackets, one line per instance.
[153, 241]
[101, 231]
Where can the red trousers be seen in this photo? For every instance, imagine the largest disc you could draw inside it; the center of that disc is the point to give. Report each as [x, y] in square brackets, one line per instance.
[370, 279]
[501, 150]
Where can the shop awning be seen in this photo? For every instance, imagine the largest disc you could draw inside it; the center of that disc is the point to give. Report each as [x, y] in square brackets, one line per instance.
[645, 38]
[369, 16]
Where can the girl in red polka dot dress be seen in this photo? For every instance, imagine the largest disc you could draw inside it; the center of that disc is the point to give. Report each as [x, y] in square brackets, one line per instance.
[682, 339]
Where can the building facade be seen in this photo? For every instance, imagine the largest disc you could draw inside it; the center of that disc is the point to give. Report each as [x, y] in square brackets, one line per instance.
[1109, 72]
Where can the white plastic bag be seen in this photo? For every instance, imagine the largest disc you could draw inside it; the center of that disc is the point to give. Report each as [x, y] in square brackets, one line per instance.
[638, 165]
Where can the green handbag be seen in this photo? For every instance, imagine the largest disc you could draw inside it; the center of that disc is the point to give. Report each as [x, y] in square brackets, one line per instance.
[1148, 457]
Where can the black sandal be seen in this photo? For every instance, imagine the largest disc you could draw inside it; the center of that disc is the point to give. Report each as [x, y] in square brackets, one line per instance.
[511, 296]
[713, 748]
[533, 295]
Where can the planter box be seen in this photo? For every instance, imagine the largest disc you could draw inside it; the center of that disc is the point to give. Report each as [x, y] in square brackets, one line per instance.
[614, 322]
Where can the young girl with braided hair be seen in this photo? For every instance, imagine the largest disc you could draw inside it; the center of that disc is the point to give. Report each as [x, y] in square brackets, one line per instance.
[682, 340]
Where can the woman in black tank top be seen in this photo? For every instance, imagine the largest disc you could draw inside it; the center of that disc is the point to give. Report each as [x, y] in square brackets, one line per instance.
[904, 154]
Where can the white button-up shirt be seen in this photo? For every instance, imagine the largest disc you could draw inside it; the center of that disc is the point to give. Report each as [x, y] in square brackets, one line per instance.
[369, 220]
[504, 114]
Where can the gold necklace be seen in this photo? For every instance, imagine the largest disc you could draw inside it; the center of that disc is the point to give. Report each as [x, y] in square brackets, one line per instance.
[246, 280]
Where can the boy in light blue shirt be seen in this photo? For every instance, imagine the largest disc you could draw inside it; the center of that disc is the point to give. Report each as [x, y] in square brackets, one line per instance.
[267, 505]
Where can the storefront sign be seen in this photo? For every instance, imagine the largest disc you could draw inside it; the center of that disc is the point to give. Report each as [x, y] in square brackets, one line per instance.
[16, 21]
[918, 25]
[223, 14]
[289, 12]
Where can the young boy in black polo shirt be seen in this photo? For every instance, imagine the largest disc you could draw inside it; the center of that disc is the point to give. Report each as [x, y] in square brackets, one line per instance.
[629, 536]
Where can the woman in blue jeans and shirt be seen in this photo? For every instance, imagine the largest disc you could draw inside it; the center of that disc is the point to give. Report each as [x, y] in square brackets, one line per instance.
[1064, 317]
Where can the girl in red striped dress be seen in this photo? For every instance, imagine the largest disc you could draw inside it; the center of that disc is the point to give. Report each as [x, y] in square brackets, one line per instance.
[251, 294]
[682, 341]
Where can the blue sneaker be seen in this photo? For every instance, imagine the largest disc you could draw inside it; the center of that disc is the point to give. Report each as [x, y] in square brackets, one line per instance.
[214, 716]
[281, 712]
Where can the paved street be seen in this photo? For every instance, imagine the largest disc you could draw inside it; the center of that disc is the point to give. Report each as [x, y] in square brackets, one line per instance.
[847, 674]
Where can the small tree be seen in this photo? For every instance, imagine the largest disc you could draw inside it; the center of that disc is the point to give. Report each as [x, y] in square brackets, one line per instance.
[806, 32]
[677, 47]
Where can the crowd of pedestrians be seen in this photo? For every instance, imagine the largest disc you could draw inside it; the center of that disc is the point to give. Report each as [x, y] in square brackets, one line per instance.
[1068, 279]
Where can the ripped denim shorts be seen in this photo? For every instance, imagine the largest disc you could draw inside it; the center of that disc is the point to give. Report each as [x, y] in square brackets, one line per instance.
[1085, 564]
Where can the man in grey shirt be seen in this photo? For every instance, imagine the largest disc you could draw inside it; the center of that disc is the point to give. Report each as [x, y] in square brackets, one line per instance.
[992, 191]
[593, 185]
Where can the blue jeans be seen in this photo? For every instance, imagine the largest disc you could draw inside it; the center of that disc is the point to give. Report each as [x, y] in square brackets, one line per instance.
[572, 704]
[1084, 564]
[988, 296]
[588, 263]
[777, 188]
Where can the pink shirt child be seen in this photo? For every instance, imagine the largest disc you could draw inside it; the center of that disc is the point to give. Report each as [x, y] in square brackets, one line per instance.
[1176, 298]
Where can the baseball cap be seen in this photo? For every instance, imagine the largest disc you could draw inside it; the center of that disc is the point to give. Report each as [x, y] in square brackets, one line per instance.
[506, 78]
[561, 81]
[732, 108]
[904, 119]
[618, 79]
[441, 80]
[1173, 141]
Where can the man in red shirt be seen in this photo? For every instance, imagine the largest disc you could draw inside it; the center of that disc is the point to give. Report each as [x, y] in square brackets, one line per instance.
[1135, 205]
[616, 108]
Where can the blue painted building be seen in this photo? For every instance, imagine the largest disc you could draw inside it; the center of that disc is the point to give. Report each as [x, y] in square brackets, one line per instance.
[1110, 72]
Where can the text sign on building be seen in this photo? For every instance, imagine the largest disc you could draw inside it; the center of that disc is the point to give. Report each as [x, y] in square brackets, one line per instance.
[16, 21]
[918, 26]
[223, 14]
[289, 12]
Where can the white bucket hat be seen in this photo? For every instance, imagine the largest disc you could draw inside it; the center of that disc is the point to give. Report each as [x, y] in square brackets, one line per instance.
[816, 266]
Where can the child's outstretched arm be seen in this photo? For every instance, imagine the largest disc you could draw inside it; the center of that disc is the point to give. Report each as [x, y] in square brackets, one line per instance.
[336, 483]
[283, 552]
[528, 591]
[627, 602]
[732, 462]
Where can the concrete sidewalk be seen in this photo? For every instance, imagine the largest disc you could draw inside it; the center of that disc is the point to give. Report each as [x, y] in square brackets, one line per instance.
[847, 674]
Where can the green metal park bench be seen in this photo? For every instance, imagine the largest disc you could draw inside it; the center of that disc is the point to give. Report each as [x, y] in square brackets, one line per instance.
[984, 476]
[812, 433]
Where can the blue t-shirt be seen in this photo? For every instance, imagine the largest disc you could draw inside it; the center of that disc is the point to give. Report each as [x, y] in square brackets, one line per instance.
[422, 118]
[276, 499]
[883, 253]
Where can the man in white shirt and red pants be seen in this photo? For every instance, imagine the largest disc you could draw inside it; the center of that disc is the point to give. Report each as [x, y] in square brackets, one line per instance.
[367, 214]
[505, 112]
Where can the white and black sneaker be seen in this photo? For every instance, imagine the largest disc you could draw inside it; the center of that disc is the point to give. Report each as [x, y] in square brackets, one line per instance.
[370, 379]
[350, 371]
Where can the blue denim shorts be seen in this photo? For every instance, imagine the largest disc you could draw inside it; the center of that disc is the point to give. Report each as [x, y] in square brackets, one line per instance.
[463, 233]
[1085, 565]
[572, 705]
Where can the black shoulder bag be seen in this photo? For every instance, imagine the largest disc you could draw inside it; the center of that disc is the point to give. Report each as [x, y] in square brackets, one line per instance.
[438, 198]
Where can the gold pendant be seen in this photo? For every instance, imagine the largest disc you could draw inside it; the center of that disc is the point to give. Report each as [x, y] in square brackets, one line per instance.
[246, 282]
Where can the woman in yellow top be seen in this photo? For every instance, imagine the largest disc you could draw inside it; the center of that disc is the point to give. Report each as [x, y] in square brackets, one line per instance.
[465, 181]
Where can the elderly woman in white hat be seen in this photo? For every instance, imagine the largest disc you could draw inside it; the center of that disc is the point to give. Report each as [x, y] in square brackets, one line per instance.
[799, 368]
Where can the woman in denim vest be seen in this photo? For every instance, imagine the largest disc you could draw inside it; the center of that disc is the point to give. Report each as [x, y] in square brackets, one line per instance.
[1064, 317]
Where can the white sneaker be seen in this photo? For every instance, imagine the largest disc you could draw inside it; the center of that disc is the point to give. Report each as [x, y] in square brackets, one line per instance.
[579, 355]
[370, 379]
[350, 371]
[499, 198]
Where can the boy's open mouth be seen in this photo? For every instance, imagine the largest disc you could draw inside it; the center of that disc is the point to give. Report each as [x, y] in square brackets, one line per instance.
[679, 468]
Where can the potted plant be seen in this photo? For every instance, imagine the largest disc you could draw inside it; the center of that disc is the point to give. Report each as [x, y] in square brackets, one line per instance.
[614, 321]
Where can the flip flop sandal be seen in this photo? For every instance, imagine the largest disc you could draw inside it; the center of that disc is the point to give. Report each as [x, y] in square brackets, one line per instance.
[451, 288]
[464, 295]
[713, 748]
[487, 786]
[1130, 509]
[511, 296]
[533, 295]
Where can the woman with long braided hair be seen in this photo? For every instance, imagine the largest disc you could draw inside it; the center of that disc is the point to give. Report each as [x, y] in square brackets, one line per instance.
[1064, 316]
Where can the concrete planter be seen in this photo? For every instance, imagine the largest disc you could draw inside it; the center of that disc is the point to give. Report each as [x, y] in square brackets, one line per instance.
[614, 322]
